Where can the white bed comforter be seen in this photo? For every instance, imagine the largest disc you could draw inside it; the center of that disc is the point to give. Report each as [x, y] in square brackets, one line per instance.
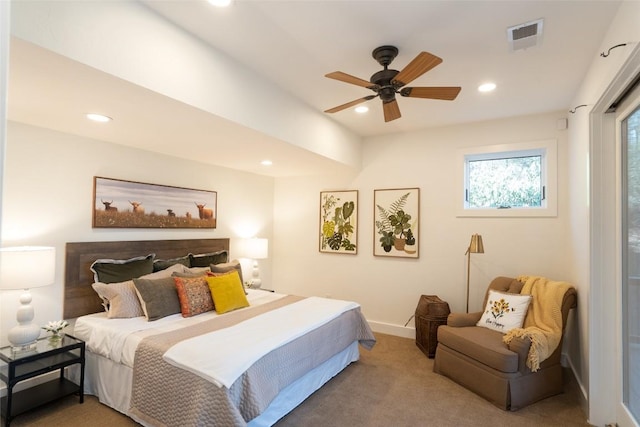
[257, 336]
[117, 339]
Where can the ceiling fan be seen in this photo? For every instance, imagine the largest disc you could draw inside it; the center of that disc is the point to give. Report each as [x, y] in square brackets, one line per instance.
[387, 83]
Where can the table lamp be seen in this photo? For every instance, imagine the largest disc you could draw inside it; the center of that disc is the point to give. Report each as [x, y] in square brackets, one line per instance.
[475, 247]
[26, 267]
[254, 249]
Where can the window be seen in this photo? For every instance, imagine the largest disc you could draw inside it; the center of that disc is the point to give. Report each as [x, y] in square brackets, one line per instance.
[509, 180]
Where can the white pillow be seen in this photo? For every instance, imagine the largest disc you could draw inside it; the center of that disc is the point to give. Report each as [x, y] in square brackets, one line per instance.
[504, 311]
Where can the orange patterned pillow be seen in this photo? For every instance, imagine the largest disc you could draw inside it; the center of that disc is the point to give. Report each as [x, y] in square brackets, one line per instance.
[194, 295]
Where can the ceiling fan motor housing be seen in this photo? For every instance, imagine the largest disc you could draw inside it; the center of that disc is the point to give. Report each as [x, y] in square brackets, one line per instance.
[382, 80]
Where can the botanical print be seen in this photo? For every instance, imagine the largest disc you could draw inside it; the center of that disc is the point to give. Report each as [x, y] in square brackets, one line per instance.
[128, 204]
[499, 308]
[339, 221]
[396, 225]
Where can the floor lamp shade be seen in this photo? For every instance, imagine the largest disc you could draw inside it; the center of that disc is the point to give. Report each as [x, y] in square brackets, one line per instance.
[475, 247]
[254, 249]
[26, 267]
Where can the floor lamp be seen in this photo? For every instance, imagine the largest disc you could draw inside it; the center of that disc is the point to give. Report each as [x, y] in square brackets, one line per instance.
[475, 247]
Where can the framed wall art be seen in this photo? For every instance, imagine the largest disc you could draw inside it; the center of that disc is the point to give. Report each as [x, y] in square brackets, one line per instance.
[129, 204]
[339, 222]
[396, 221]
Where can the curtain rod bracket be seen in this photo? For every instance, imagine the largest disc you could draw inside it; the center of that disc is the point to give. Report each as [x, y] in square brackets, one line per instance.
[579, 106]
[604, 55]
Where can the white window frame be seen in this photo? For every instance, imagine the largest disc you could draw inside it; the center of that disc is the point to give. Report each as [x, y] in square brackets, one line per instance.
[547, 149]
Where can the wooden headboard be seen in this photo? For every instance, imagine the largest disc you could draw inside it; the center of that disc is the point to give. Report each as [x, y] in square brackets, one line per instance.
[79, 296]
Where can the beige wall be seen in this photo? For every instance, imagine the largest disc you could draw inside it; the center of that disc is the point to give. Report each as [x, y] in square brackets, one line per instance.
[389, 288]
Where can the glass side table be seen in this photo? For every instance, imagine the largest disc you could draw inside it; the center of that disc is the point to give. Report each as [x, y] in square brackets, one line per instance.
[46, 356]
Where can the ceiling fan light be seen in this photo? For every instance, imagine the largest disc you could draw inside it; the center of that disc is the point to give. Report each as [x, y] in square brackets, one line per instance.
[362, 109]
[486, 87]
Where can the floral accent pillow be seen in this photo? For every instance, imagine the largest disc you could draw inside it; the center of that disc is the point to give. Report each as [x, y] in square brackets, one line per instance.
[504, 311]
[194, 295]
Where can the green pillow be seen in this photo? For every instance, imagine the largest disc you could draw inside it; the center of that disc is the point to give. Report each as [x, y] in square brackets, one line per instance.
[121, 270]
[161, 264]
[204, 260]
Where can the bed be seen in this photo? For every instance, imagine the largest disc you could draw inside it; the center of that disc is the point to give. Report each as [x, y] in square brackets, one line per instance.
[248, 366]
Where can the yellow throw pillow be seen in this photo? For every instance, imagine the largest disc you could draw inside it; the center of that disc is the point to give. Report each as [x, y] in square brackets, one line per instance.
[227, 292]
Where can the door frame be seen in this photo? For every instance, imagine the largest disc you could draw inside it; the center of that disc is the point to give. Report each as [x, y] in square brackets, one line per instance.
[605, 352]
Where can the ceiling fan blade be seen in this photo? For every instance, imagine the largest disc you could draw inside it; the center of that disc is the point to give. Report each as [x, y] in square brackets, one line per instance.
[391, 110]
[446, 93]
[348, 78]
[349, 104]
[420, 65]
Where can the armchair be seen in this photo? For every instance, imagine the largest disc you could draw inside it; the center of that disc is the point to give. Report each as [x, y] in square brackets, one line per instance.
[478, 359]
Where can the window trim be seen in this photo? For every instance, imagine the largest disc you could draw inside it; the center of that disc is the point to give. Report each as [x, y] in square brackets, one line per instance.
[549, 172]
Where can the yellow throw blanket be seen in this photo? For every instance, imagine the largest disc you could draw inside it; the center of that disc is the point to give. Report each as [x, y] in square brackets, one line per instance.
[543, 323]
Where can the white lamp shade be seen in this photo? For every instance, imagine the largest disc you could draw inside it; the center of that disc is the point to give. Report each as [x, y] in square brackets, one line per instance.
[26, 267]
[252, 248]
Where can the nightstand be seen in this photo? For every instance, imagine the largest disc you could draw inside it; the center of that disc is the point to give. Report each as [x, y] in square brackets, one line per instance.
[431, 312]
[46, 356]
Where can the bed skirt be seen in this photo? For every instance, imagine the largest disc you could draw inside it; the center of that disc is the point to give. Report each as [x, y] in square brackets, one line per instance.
[117, 394]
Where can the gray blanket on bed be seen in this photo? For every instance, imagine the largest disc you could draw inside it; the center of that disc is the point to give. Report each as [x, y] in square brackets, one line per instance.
[165, 395]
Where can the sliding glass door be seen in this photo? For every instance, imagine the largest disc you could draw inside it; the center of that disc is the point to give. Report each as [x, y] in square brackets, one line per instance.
[630, 248]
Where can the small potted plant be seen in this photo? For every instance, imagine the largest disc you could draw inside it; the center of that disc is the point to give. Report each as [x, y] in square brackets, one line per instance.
[56, 329]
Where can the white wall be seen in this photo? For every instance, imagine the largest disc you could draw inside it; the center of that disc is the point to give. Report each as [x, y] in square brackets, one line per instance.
[389, 288]
[47, 200]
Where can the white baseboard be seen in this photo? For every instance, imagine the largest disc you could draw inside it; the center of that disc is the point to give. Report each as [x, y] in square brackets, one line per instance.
[391, 329]
[584, 400]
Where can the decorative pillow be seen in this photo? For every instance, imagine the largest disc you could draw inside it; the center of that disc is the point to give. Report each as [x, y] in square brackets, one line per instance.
[227, 292]
[204, 260]
[194, 295]
[158, 298]
[504, 311]
[226, 267]
[120, 270]
[161, 264]
[121, 300]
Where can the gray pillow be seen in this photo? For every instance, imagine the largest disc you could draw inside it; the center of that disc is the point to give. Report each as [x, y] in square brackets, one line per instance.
[121, 270]
[227, 267]
[159, 297]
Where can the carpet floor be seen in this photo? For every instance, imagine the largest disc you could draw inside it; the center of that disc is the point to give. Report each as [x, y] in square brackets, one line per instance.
[392, 385]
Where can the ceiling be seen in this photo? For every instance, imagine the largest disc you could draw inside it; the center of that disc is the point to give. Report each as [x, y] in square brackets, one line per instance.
[295, 43]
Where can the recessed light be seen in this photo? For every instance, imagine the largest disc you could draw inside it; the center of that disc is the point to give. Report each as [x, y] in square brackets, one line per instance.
[486, 87]
[266, 163]
[220, 3]
[362, 109]
[99, 118]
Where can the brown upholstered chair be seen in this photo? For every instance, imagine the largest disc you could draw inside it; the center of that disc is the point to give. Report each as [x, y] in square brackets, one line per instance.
[476, 357]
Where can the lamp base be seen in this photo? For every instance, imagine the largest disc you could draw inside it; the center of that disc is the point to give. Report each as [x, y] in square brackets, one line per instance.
[24, 333]
[23, 337]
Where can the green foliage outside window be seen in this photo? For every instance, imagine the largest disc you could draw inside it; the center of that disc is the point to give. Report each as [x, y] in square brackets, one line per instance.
[513, 182]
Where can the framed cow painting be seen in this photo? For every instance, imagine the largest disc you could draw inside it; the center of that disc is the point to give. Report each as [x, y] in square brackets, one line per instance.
[129, 204]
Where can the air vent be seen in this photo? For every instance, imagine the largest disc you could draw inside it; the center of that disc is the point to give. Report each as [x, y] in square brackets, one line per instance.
[525, 35]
